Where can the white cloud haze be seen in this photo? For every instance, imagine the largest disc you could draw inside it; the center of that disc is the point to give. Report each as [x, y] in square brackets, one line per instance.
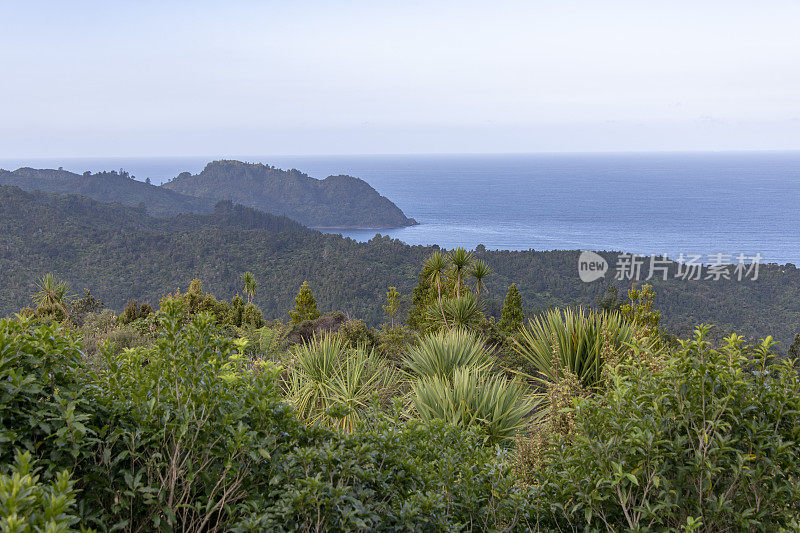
[173, 78]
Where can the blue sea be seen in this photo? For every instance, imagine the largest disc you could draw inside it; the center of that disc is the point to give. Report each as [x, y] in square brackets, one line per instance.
[647, 203]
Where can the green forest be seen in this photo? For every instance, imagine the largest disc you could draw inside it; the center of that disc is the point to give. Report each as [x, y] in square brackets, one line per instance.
[237, 371]
[198, 413]
[122, 253]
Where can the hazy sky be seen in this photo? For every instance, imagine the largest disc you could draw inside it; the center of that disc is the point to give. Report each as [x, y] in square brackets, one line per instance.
[110, 78]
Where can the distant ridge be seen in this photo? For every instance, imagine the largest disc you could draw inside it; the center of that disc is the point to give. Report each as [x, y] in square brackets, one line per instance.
[335, 202]
[107, 187]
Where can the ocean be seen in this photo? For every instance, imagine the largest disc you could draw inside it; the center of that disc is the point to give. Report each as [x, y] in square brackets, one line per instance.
[647, 203]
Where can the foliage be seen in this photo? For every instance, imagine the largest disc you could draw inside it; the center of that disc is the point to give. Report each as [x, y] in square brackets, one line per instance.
[134, 311]
[794, 349]
[52, 298]
[305, 306]
[610, 300]
[42, 407]
[512, 317]
[83, 306]
[335, 385]
[707, 443]
[356, 333]
[143, 257]
[639, 310]
[441, 354]
[28, 505]
[573, 341]
[191, 424]
[399, 476]
[250, 285]
[392, 304]
[496, 407]
[335, 202]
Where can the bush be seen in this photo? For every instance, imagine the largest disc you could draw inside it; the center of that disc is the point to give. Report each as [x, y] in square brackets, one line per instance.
[708, 441]
[356, 333]
[441, 354]
[191, 428]
[134, 311]
[571, 341]
[399, 476]
[28, 505]
[494, 406]
[335, 385]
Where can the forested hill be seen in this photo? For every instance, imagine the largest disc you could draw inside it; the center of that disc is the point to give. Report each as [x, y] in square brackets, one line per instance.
[122, 253]
[110, 186]
[335, 202]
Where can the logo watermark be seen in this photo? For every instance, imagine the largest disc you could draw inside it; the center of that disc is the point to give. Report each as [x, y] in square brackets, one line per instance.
[591, 266]
[688, 267]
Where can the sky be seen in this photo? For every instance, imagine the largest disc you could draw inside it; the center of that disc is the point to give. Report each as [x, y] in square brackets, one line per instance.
[168, 78]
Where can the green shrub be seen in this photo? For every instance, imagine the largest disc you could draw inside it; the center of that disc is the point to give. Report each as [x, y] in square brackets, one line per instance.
[356, 333]
[27, 505]
[572, 341]
[134, 311]
[191, 428]
[441, 354]
[495, 406]
[399, 476]
[708, 442]
[335, 385]
[42, 405]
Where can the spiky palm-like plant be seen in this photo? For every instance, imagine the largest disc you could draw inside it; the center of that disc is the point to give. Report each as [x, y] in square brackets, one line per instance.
[250, 285]
[441, 354]
[461, 261]
[436, 272]
[461, 312]
[573, 341]
[333, 385]
[52, 291]
[494, 405]
[479, 272]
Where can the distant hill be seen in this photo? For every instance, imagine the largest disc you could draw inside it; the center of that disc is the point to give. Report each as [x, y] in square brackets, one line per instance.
[107, 187]
[335, 202]
[121, 253]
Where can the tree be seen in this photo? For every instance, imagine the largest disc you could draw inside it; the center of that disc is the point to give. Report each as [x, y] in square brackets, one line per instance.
[422, 297]
[610, 300]
[52, 298]
[461, 261]
[640, 309]
[305, 306]
[392, 304]
[436, 268]
[513, 317]
[794, 349]
[479, 271]
[250, 285]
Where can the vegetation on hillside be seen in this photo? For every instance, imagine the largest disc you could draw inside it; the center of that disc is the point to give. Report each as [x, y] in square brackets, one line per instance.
[122, 254]
[197, 415]
[336, 201]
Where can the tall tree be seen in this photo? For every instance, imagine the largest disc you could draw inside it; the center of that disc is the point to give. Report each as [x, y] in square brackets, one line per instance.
[461, 261]
[512, 316]
[436, 268]
[305, 306]
[479, 271]
[640, 310]
[794, 349]
[392, 304]
[250, 285]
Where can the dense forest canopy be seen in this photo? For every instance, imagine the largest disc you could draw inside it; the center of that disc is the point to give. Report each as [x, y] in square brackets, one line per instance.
[336, 201]
[122, 253]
